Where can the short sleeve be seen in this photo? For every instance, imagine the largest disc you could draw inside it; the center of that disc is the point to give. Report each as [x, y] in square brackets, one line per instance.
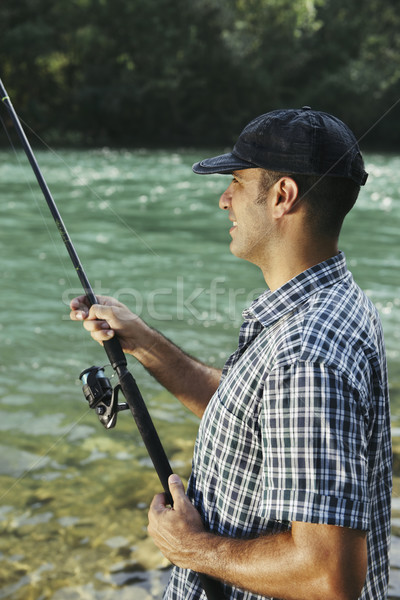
[314, 441]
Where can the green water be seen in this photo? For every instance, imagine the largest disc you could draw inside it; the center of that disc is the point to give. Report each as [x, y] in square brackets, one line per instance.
[73, 496]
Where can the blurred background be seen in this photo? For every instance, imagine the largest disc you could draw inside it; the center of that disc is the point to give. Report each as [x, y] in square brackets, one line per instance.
[162, 72]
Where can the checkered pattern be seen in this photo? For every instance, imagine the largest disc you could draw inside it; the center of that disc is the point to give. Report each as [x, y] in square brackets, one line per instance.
[299, 428]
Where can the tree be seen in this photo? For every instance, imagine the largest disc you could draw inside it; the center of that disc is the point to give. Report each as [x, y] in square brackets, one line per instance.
[161, 72]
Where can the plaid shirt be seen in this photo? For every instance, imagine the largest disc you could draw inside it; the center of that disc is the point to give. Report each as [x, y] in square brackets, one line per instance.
[299, 428]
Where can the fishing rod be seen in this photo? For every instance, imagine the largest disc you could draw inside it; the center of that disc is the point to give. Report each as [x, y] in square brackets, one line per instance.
[97, 387]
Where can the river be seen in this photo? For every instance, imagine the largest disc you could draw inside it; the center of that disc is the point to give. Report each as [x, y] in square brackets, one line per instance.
[73, 496]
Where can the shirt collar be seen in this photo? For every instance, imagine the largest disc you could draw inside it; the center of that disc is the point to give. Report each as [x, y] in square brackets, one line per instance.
[271, 306]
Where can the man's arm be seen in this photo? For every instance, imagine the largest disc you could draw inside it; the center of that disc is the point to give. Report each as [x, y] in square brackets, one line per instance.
[191, 381]
[310, 562]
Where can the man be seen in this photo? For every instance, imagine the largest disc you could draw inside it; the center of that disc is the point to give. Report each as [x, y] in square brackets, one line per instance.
[289, 495]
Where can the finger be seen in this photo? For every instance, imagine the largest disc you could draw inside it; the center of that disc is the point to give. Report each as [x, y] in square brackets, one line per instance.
[80, 302]
[158, 503]
[176, 488]
[99, 330]
[78, 315]
[97, 322]
[101, 312]
[95, 325]
[79, 308]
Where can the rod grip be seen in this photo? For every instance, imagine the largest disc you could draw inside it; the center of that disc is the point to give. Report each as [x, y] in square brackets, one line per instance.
[146, 427]
[115, 353]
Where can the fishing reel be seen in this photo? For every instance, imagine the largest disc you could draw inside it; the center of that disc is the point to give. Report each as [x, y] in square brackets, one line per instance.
[101, 396]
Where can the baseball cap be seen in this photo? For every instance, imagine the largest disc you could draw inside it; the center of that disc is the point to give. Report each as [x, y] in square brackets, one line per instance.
[295, 141]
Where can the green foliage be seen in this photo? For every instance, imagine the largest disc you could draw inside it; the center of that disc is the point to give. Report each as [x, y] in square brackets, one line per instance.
[160, 72]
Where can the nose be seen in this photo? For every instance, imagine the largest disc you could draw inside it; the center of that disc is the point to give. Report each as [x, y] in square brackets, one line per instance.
[225, 199]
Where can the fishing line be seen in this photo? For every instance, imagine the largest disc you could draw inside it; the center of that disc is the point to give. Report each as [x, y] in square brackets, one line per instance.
[61, 258]
[392, 107]
[359, 139]
[45, 221]
[92, 190]
[43, 456]
[300, 198]
[96, 387]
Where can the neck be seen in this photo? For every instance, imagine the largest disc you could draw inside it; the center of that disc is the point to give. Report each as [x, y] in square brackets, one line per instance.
[290, 260]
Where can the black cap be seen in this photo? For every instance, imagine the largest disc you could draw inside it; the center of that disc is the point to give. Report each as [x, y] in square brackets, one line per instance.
[295, 141]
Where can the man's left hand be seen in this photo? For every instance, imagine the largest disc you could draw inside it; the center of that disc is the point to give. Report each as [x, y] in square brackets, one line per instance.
[177, 530]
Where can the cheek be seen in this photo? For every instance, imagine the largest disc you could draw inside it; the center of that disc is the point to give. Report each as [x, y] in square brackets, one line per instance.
[262, 231]
[260, 222]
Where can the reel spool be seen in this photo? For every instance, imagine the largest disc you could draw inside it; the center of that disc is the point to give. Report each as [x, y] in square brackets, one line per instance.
[101, 396]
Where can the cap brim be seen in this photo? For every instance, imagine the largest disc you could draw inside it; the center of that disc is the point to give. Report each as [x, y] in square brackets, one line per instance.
[224, 164]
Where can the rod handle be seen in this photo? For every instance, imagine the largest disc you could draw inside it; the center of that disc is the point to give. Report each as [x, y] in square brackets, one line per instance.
[146, 427]
[115, 353]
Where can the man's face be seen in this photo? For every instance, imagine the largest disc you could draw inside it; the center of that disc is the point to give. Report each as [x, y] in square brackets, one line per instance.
[252, 224]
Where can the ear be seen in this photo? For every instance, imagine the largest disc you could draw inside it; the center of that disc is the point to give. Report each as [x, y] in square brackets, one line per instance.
[286, 194]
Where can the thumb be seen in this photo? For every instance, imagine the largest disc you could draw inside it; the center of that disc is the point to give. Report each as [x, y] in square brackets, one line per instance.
[176, 488]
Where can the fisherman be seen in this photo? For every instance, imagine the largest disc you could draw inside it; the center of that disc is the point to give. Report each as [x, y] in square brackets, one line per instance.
[289, 495]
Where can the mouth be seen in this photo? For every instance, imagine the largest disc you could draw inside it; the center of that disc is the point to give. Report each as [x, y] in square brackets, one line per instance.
[234, 225]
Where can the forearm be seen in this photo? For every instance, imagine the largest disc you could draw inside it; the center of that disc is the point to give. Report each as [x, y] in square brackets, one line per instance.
[189, 380]
[308, 562]
[280, 566]
[268, 566]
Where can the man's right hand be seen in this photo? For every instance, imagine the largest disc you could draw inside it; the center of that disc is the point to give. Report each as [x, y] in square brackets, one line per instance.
[191, 381]
[108, 318]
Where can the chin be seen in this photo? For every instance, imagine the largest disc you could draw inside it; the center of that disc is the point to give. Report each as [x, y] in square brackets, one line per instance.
[243, 254]
[239, 253]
